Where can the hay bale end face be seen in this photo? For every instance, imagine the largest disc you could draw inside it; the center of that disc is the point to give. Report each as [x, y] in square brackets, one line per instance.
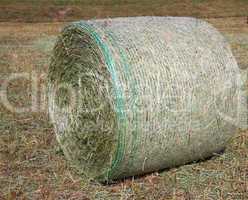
[134, 95]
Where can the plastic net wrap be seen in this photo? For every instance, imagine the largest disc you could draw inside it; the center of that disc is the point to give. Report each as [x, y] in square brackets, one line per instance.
[133, 95]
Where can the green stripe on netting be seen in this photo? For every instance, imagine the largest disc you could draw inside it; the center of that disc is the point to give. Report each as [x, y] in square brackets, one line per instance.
[133, 84]
[119, 100]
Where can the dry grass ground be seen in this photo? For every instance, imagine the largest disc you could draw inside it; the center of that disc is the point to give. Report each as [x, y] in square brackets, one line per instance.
[67, 10]
[33, 167]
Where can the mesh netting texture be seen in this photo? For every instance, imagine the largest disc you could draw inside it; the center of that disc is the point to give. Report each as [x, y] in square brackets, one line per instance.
[128, 96]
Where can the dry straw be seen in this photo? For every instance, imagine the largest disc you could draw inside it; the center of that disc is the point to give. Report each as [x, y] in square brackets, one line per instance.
[135, 95]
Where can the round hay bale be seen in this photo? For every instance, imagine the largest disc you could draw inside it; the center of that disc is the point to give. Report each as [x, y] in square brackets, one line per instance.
[134, 95]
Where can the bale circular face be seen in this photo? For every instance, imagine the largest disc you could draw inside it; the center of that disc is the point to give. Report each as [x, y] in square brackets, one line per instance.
[134, 95]
[80, 102]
